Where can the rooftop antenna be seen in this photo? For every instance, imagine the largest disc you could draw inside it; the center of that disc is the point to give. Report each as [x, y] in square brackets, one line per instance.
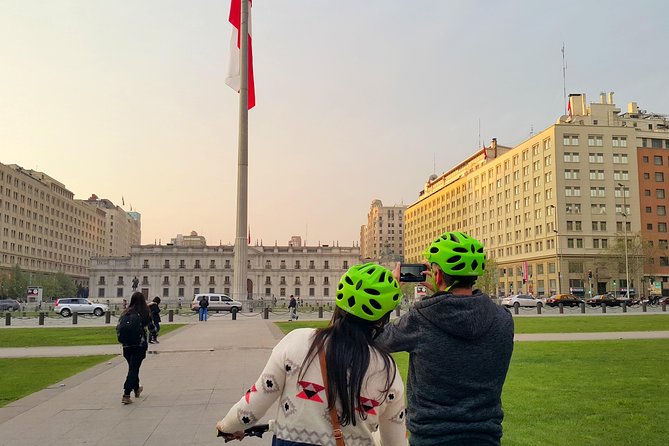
[434, 163]
[564, 80]
[531, 129]
[480, 141]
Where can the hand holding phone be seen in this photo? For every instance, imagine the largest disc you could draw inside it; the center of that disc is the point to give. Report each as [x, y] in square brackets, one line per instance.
[412, 272]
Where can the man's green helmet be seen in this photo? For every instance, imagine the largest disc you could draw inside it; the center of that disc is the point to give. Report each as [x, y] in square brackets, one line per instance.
[368, 291]
[457, 254]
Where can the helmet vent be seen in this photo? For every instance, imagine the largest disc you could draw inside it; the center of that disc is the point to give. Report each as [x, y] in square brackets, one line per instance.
[348, 280]
[461, 249]
[382, 277]
[396, 297]
[340, 296]
[366, 309]
[454, 238]
[341, 286]
[459, 266]
[358, 285]
[454, 259]
[375, 304]
[434, 250]
[351, 301]
[475, 265]
[372, 291]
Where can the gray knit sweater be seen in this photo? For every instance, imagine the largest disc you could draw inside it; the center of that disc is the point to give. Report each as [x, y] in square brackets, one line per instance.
[459, 353]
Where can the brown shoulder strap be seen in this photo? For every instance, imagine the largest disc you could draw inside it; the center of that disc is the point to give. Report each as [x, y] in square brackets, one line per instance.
[336, 428]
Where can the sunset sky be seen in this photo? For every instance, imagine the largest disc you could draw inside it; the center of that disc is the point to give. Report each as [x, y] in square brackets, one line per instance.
[355, 100]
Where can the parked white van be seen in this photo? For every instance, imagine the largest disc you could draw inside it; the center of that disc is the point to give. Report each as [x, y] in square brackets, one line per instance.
[217, 302]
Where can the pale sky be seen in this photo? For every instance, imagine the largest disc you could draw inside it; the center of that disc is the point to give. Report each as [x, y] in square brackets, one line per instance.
[356, 100]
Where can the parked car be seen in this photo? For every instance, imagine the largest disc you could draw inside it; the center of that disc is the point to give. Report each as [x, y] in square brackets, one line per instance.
[568, 300]
[65, 307]
[609, 299]
[9, 305]
[521, 300]
[217, 302]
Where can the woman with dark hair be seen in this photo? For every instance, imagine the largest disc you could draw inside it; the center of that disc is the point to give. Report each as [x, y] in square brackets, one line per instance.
[134, 351]
[335, 377]
[154, 309]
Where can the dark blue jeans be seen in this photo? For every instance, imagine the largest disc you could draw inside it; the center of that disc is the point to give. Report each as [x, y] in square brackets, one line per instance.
[134, 357]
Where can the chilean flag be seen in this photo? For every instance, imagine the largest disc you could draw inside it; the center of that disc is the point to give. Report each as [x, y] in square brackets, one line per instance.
[233, 79]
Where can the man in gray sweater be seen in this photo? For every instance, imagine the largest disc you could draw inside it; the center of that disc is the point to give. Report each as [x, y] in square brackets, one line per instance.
[459, 345]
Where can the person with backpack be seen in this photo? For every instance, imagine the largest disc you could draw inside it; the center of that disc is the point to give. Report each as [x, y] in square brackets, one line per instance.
[204, 308]
[336, 381]
[292, 308]
[154, 309]
[131, 333]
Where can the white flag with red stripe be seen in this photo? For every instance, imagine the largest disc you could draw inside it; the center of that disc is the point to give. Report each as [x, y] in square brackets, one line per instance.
[234, 77]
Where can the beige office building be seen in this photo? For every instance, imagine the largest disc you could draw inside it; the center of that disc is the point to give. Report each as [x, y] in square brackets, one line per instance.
[548, 209]
[382, 238]
[188, 266]
[43, 229]
[123, 229]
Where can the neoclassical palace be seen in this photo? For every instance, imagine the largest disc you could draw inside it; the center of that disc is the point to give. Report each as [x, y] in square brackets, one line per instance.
[187, 266]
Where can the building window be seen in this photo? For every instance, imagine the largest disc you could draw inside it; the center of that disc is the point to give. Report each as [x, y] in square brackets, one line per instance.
[268, 291]
[297, 280]
[197, 264]
[657, 160]
[661, 227]
[268, 280]
[570, 140]
[145, 280]
[619, 158]
[227, 264]
[326, 264]
[268, 264]
[182, 280]
[196, 281]
[282, 281]
[345, 264]
[282, 292]
[644, 159]
[326, 280]
[595, 141]
[182, 263]
[226, 280]
[312, 292]
[297, 292]
[166, 292]
[312, 280]
[659, 177]
[166, 280]
[196, 290]
[619, 141]
[283, 264]
[181, 292]
[145, 265]
[596, 158]
[659, 193]
[326, 292]
[312, 265]
[661, 210]
[297, 264]
[101, 292]
[119, 292]
[212, 264]
[167, 264]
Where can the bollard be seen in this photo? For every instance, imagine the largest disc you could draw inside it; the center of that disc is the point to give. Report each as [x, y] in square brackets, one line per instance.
[75, 318]
[582, 305]
[107, 317]
[41, 318]
[515, 309]
[170, 316]
[561, 307]
[266, 313]
[8, 318]
[643, 306]
[320, 312]
[234, 313]
[624, 307]
[603, 307]
[23, 314]
[664, 306]
[539, 305]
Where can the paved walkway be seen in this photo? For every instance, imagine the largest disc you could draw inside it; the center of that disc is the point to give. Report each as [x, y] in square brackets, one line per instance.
[190, 381]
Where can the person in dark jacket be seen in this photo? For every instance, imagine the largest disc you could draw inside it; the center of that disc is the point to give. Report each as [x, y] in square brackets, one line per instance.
[135, 354]
[460, 345]
[204, 308]
[154, 309]
[292, 308]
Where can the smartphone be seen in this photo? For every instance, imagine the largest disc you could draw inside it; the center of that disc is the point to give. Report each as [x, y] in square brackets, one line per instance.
[412, 272]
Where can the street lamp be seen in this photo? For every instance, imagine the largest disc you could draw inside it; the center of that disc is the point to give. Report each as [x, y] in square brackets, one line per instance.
[557, 248]
[627, 267]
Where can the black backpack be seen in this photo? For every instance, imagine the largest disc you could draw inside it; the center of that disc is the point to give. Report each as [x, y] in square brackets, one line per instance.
[129, 330]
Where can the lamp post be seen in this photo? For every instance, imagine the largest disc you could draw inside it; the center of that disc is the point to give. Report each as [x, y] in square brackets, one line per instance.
[557, 248]
[627, 266]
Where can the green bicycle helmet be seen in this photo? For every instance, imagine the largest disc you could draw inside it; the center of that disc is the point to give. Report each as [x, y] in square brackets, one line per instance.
[457, 254]
[368, 291]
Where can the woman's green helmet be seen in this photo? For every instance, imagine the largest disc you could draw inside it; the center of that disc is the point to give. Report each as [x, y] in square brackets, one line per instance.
[368, 291]
[457, 254]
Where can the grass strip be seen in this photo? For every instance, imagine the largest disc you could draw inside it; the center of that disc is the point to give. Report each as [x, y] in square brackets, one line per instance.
[23, 376]
[65, 336]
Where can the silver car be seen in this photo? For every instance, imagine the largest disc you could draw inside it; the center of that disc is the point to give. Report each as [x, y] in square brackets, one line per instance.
[521, 300]
[78, 305]
[9, 305]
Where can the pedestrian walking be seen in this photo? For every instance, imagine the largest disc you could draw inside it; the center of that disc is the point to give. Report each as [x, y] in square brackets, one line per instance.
[292, 308]
[154, 309]
[460, 344]
[204, 308]
[332, 382]
[131, 333]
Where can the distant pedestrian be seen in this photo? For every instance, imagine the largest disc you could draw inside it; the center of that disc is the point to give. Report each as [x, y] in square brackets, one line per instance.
[292, 308]
[131, 332]
[125, 304]
[154, 309]
[204, 308]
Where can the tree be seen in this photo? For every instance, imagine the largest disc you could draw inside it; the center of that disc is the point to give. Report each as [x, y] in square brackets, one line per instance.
[489, 280]
[15, 285]
[639, 253]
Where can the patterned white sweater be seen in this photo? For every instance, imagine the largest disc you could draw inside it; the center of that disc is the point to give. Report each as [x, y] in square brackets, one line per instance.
[302, 414]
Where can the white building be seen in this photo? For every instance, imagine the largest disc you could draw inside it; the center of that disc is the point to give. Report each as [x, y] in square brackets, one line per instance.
[188, 266]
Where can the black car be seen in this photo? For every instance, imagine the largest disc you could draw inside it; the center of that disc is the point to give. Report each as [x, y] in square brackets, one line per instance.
[609, 299]
[567, 300]
[9, 305]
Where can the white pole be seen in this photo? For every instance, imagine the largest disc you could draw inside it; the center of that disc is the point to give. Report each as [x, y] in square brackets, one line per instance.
[241, 246]
[627, 266]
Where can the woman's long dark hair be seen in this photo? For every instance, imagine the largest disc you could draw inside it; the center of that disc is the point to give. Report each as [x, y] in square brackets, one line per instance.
[138, 305]
[347, 341]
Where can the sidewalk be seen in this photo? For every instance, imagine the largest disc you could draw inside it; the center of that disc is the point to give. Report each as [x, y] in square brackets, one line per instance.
[190, 381]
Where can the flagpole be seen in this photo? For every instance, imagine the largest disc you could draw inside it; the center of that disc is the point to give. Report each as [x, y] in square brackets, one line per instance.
[241, 247]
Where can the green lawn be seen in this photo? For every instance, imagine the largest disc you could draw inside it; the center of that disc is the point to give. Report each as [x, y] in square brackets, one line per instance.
[23, 376]
[555, 324]
[65, 336]
[581, 393]
[589, 324]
